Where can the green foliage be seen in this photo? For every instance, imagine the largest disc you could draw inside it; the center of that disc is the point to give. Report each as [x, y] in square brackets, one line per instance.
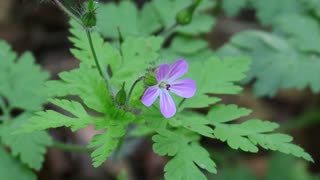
[127, 18]
[227, 72]
[106, 143]
[137, 55]
[105, 52]
[232, 7]
[247, 135]
[266, 13]
[30, 148]
[286, 167]
[279, 166]
[86, 83]
[183, 147]
[276, 62]
[53, 119]
[167, 10]
[92, 89]
[20, 79]
[179, 137]
[269, 12]
[293, 27]
[16, 87]
[291, 49]
[11, 168]
[153, 16]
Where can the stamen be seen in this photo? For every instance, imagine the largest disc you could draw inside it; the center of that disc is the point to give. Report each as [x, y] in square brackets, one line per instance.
[168, 86]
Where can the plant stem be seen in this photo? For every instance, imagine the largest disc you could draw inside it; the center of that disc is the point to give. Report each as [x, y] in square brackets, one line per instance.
[166, 33]
[67, 11]
[71, 147]
[181, 102]
[132, 88]
[104, 75]
[6, 117]
[120, 144]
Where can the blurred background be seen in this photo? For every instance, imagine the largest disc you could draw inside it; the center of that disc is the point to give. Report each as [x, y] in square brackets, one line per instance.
[42, 28]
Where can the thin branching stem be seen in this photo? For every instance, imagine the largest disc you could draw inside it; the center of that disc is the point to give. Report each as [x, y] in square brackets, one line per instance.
[71, 147]
[103, 73]
[5, 117]
[67, 11]
[167, 32]
[132, 88]
[181, 102]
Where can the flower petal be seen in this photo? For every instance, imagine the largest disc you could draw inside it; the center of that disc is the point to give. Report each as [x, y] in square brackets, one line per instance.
[167, 105]
[163, 72]
[150, 95]
[184, 87]
[177, 69]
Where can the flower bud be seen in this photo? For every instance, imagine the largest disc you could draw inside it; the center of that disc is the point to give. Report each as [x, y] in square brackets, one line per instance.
[89, 18]
[121, 96]
[184, 17]
[150, 79]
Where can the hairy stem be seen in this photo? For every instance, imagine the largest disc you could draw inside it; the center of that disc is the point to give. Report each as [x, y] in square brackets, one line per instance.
[71, 147]
[5, 117]
[132, 88]
[181, 102]
[119, 147]
[101, 72]
[167, 32]
[67, 11]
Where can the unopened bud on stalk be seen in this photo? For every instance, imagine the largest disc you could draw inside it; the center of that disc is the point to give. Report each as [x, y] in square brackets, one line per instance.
[150, 79]
[89, 18]
[121, 96]
[184, 17]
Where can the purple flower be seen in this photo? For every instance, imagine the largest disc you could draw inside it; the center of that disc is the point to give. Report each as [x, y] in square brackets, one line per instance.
[167, 78]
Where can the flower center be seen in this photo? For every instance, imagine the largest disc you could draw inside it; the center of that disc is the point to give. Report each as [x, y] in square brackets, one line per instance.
[164, 84]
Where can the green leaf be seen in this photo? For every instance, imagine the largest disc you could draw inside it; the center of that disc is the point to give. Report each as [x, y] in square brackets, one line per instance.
[23, 86]
[167, 10]
[247, 135]
[276, 64]
[193, 122]
[53, 119]
[183, 147]
[139, 54]
[294, 27]
[267, 13]
[30, 148]
[128, 19]
[224, 113]
[199, 101]
[106, 143]
[21, 78]
[106, 54]
[232, 7]
[84, 82]
[218, 76]
[280, 142]
[188, 45]
[11, 168]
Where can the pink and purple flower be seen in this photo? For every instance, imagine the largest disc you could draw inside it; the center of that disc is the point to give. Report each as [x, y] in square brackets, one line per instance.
[167, 81]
